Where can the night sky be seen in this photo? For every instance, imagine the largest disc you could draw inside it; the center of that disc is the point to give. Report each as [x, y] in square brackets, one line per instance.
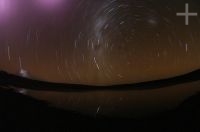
[100, 42]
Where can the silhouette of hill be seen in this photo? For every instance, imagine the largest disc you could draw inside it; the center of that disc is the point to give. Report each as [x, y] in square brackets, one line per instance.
[22, 113]
[7, 79]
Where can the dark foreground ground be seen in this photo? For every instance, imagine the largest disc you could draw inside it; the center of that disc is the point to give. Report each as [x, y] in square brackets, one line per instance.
[21, 113]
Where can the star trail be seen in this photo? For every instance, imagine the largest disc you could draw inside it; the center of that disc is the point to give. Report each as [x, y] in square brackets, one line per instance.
[99, 43]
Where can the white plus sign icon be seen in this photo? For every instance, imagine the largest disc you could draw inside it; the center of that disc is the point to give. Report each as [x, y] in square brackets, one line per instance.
[187, 14]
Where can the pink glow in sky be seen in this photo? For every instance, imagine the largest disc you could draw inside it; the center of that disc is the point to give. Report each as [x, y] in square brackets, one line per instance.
[50, 4]
[4, 6]
[5, 9]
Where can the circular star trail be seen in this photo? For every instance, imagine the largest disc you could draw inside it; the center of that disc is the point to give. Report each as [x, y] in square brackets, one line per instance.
[102, 42]
[98, 42]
